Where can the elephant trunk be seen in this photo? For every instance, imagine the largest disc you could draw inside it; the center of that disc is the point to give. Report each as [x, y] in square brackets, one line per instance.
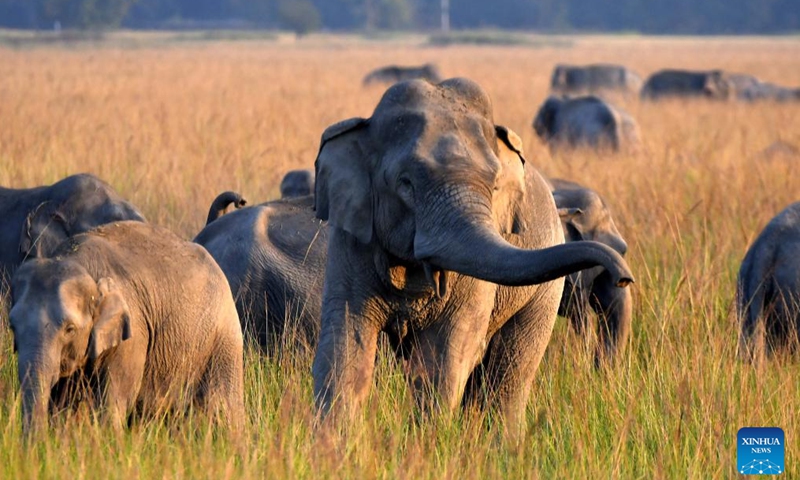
[475, 249]
[220, 205]
[614, 307]
[35, 384]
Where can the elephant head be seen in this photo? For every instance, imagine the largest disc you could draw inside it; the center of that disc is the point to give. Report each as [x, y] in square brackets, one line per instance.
[61, 319]
[75, 205]
[717, 85]
[585, 216]
[544, 123]
[430, 179]
[297, 183]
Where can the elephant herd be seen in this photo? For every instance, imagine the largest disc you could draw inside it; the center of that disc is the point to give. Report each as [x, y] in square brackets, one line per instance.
[422, 223]
[577, 115]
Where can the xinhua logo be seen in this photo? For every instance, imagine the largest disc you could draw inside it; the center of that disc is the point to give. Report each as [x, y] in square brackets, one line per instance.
[760, 451]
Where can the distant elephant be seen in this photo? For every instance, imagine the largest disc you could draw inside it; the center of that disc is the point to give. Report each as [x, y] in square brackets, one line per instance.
[223, 203]
[297, 183]
[273, 256]
[439, 237]
[395, 73]
[596, 78]
[144, 318]
[713, 84]
[585, 216]
[768, 293]
[33, 221]
[765, 91]
[585, 122]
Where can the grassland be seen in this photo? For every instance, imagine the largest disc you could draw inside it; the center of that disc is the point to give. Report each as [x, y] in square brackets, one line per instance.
[173, 125]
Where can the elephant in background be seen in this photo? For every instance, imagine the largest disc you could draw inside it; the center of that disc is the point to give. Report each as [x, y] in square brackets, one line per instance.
[595, 78]
[585, 121]
[297, 183]
[442, 238]
[713, 84]
[586, 216]
[768, 288]
[396, 73]
[33, 221]
[143, 318]
[273, 256]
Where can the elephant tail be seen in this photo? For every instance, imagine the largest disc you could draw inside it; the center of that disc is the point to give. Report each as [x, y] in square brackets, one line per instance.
[221, 204]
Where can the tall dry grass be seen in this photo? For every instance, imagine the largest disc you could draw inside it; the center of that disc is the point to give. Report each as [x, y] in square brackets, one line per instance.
[171, 127]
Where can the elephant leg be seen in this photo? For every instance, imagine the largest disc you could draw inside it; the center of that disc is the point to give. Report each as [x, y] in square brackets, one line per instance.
[221, 392]
[614, 308]
[122, 381]
[514, 354]
[344, 360]
[441, 362]
[574, 304]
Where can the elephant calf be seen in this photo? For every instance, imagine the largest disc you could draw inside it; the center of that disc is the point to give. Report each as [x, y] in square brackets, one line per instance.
[33, 221]
[768, 296]
[143, 317]
[585, 216]
[585, 121]
[297, 183]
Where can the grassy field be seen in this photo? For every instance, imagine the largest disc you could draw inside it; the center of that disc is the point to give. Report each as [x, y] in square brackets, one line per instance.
[173, 125]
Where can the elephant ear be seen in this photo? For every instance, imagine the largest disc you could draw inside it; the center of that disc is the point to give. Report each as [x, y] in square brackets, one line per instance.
[512, 182]
[568, 217]
[43, 229]
[343, 185]
[112, 324]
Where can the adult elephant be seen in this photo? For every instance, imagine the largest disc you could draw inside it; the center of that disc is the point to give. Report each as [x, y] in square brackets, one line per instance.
[141, 317]
[713, 84]
[33, 221]
[297, 183]
[439, 237]
[273, 256]
[594, 78]
[768, 293]
[397, 73]
[586, 216]
[585, 122]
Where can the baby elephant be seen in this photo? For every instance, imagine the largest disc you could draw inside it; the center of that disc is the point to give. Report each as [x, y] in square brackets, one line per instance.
[127, 315]
[585, 216]
[585, 121]
[297, 183]
[768, 296]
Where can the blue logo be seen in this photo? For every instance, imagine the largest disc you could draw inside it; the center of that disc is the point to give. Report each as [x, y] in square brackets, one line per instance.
[760, 451]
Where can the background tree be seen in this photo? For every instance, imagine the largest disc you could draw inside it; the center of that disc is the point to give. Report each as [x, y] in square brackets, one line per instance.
[300, 16]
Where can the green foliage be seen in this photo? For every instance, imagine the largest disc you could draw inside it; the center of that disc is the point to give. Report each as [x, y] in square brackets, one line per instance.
[300, 16]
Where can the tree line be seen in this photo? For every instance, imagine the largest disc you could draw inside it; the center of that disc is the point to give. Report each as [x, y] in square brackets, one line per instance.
[645, 16]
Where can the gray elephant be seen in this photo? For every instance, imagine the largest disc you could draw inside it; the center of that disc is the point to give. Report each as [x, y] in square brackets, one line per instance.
[224, 203]
[297, 183]
[441, 238]
[595, 78]
[33, 221]
[713, 84]
[765, 91]
[768, 293]
[144, 318]
[273, 256]
[396, 73]
[585, 122]
[586, 216]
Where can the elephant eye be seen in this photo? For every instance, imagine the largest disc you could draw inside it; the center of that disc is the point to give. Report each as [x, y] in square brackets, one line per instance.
[70, 328]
